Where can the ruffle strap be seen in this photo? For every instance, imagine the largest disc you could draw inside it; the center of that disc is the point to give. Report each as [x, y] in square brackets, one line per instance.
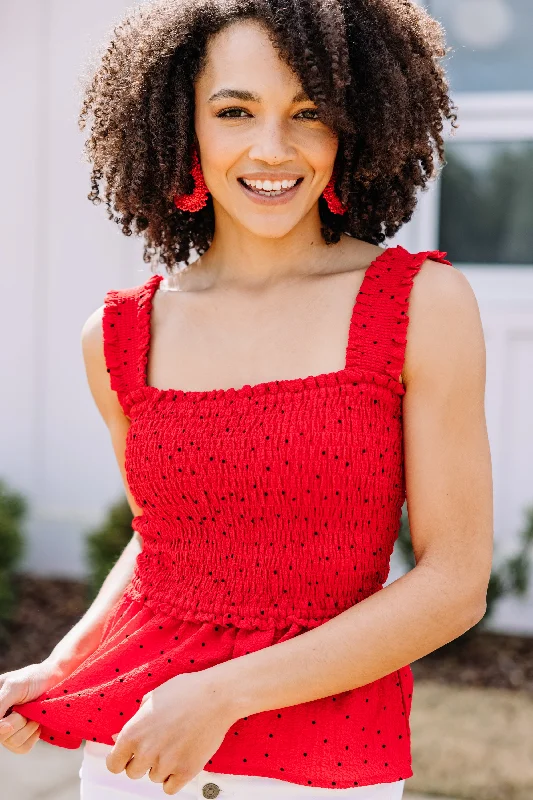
[126, 336]
[144, 309]
[378, 334]
[411, 266]
[115, 317]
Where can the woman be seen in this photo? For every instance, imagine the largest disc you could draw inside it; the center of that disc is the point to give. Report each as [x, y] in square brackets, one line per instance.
[266, 412]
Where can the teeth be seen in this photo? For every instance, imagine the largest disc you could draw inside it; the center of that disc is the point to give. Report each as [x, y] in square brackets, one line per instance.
[270, 186]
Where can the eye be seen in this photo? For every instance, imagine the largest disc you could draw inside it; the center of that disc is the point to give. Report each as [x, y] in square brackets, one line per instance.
[311, 111]
[226, 113]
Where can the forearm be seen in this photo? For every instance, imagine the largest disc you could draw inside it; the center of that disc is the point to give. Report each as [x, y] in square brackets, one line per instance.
[399, 624]
[84, 637]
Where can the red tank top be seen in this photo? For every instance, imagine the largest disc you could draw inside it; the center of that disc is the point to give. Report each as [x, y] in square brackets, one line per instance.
[267, 510]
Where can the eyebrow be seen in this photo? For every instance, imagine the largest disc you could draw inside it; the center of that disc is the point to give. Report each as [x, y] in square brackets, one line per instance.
[251, 97]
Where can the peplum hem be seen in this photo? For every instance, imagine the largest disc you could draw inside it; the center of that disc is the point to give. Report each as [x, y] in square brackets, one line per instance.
[141, 649]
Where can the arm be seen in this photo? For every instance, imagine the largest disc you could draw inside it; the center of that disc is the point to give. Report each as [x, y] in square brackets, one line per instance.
[449, 490]
[85, 636]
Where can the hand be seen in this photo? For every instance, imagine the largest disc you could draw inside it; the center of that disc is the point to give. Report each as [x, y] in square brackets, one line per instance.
[178, 727]
[17, 733]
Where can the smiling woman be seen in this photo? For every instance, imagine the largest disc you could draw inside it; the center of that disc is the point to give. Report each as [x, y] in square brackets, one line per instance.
[354, 88]
[268, 417]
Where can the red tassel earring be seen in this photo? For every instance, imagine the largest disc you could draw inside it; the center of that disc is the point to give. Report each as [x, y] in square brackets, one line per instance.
[334, 203]
[198, 198]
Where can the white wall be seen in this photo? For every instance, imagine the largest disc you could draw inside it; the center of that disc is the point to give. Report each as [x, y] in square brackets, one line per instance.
[60, 256]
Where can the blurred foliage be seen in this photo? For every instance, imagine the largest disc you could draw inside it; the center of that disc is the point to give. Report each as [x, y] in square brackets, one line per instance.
[105, 544]
[13, 510]
[486, 215]
[508, 578]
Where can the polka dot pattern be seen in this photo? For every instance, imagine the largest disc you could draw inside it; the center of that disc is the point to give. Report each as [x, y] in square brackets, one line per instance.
[267, 510]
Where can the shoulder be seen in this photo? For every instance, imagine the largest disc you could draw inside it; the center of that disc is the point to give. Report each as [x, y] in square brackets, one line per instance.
[440, 279]
[92, 335]
[443, 290]
[444, 320]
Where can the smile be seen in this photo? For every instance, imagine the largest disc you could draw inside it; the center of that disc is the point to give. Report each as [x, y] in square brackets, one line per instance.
[270, 196]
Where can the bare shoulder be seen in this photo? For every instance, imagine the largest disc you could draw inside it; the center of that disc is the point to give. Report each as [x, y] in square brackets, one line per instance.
[444, 322]
[92, 334]
[92, 342]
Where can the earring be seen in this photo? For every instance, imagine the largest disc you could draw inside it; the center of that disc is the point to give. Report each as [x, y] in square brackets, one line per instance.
[334, 203]
[198, 197]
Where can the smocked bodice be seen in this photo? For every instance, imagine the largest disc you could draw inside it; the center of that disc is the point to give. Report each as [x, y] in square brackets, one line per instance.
[273, 503]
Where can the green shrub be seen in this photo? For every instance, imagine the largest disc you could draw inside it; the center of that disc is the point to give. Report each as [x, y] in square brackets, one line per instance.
[105, 544]
[13, 509]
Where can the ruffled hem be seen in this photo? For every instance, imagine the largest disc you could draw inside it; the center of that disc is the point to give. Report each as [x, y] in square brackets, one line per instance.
[398, 771]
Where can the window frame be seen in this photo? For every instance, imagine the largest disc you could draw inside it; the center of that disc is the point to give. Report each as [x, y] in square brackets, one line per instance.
[482, 117]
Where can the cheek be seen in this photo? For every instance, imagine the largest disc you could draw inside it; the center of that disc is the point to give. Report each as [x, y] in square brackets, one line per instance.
[220, 149]
[318, 146]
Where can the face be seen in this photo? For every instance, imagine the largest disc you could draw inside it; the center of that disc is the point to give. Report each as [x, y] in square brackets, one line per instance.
[253, 121]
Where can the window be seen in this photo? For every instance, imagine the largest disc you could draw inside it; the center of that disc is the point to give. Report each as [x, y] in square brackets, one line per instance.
[486, 202]
[480, 210]
[491, 41]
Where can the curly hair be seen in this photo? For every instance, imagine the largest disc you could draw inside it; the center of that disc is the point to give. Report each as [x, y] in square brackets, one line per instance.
[371, 67]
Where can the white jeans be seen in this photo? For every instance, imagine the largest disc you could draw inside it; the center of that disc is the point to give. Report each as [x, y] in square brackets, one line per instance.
[98, 783]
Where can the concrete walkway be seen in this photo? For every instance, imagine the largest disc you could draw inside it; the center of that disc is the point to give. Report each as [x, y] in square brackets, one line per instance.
[51, 773]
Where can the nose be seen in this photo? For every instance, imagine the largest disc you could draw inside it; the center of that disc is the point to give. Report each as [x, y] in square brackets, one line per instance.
[271, 143]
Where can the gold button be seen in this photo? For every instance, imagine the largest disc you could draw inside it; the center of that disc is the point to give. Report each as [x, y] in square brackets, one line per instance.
[210, 790]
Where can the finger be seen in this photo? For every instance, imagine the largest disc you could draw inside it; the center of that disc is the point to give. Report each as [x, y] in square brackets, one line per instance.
[28, 744]
[19, 738]
[173, 784]
[119, 756]
[157, 774]
[10, 725]
[137, 767]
